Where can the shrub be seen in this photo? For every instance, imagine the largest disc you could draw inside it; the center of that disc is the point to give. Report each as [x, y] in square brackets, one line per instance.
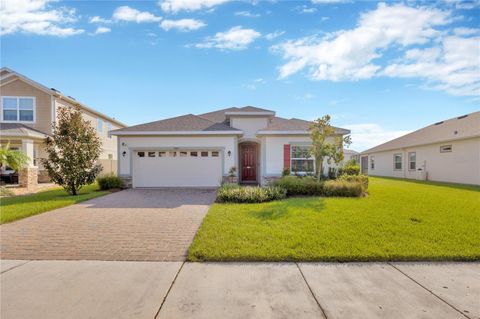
[5, 192]
[232, 193]
[362, 179]
[342, 188]
[286, 171]
[109, 182]
[299, 185]
[349, 169]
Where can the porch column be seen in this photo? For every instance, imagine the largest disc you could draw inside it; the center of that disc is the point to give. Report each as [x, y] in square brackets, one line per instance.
[28, 176]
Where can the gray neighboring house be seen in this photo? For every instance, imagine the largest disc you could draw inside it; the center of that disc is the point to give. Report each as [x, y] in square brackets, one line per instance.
[446, 151]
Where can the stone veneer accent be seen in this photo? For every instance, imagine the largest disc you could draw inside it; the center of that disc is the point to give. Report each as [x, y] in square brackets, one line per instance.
[127, 181]
[230, 180]
[28, 177]
[268, 179]
[43, 176]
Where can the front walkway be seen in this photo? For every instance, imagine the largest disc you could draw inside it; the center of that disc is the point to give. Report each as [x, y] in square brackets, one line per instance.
[96, 289]
[136, 225]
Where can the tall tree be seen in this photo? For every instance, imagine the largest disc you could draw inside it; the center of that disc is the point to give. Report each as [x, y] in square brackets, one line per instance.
[325, 144]
[12, 158]
[72, 151]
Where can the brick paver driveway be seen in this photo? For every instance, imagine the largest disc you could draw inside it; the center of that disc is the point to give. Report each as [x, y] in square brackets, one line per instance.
[140, 224]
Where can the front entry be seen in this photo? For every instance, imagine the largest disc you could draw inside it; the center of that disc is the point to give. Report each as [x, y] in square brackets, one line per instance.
[248, 162]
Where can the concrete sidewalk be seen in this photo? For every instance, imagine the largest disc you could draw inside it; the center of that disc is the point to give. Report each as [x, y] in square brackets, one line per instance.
[104, 289]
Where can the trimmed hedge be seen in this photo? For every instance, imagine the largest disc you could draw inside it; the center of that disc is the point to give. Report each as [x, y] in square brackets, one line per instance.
[109, 182]
[350, 169]
[232, 193]
[296, 186]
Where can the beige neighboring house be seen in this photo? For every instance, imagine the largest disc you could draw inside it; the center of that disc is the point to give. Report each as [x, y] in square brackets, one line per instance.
[447, 151]
[199, 150]
[28, 112]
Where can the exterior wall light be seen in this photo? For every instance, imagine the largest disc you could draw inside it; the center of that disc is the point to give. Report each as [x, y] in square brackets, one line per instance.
[229, 153]
[124, 153]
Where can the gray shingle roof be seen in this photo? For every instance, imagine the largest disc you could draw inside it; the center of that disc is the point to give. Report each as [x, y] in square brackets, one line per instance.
[220, 117]
[20, 130]
[187, 122]
[453, 129]
[282, 124]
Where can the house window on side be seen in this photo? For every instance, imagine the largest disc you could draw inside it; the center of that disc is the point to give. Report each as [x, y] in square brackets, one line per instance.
[397, 161]
[183, 154]
[18, 109]
[193, 154]
[141, 154]
[109, 128]
[412, 161]
[151, 154]
[445, 148]
[99, 125]
[204, 154]
[215, 154]
[110, 156]
[372, 162]
[162, 154]
[301, 161]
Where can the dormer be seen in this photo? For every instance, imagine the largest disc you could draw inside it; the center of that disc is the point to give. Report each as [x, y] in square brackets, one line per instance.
[249, 119]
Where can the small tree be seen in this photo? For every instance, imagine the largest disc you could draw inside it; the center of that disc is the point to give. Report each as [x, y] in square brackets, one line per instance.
[73, 151]
[320, 131]
[12, 158]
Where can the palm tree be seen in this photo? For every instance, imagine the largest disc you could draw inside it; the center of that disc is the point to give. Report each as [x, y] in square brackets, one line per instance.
[12, 158]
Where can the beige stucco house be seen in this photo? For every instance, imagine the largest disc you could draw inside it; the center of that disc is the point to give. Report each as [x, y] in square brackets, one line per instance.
[199, 150]
[447, 151]
[28, 112]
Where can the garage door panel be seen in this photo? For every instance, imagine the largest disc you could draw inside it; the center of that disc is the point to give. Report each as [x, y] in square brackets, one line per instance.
[176, 171]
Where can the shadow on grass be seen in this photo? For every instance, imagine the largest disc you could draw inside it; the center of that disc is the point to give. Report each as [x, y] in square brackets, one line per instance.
[281, 209]
[475, 188]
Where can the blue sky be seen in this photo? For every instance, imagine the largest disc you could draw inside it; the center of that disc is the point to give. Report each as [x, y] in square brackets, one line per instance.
[380, 69]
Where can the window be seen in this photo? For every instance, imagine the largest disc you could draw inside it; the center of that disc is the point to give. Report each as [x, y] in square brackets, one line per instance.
[183, 154]
[204, 154]
[193, 154]
[412, 161]
[172, 154]
[162, 154]
[99, 125]
[151, 154]
[215, 154]
[372, 162]
[18, 109]
[301, 161]
[141, 154]
[109, 128]
[110, 156]
[397, 161]
[445, 148]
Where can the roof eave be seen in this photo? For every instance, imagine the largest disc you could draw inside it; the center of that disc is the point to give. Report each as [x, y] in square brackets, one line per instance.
[162, 133]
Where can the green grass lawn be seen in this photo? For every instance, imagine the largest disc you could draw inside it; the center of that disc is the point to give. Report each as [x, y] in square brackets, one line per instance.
[17, 207]
[399, 220]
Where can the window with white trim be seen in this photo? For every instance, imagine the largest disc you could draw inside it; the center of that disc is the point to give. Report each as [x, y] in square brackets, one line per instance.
[397, 161]
[445, 148]
[301, 160]
[412, 161]
[99, 125]
[372, 162]
[109, 128]
[18, 109]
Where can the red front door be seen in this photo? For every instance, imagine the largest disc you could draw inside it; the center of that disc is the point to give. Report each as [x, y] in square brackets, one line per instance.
[248, 153]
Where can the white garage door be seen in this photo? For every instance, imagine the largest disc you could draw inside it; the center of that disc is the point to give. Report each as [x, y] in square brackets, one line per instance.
[177, 168]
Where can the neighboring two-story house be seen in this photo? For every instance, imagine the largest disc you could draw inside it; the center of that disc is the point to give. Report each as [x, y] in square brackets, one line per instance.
[28, 112]
[200, 150]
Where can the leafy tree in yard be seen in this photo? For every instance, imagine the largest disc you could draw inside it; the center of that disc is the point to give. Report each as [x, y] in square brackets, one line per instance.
[73, 151]
[323, 147]
[12, 158]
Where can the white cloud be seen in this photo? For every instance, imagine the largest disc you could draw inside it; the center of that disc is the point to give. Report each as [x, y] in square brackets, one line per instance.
[466, 31]
[97, 19]
[247, 14]
[349, 54]
[237, 38]
[253, 85]
[35, 16]
[368, 135]
[328, 1]
[305, 9]
[454, 67]
[174, 6]
[125, 13]
[273, 35]
[183, 25]
[102, 30]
